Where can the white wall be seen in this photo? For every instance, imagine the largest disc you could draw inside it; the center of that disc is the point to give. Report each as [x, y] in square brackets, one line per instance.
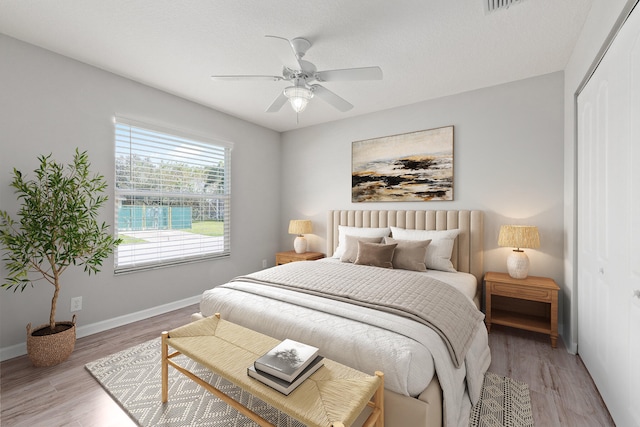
[52, 104]
[600, 21]
[508, 162]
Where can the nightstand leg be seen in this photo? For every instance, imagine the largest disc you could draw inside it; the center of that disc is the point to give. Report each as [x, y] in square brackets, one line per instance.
[487, 317]
[554, 319]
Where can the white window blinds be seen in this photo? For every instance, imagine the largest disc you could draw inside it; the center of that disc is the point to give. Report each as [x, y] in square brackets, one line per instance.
[172, 197]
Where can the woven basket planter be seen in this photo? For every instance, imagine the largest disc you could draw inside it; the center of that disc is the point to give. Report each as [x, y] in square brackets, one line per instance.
[50, 350]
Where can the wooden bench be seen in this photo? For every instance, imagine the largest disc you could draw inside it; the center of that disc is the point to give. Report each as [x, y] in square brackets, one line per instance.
[334, 396]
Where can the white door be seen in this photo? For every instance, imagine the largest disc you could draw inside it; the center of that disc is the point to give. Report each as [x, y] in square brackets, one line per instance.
[609, 225]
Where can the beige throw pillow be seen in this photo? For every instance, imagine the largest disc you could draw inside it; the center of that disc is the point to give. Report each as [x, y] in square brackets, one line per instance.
[344, 231]
[375, 254]
[351, 247]
[409, 254]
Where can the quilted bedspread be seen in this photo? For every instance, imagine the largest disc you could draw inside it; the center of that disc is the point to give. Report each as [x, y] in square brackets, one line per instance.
[419, 297]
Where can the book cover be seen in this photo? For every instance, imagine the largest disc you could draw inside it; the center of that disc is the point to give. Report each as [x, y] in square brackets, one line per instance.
[286, 387]
[286, 360]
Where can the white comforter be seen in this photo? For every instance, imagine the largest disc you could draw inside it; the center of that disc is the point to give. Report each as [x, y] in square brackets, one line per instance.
[408, 352]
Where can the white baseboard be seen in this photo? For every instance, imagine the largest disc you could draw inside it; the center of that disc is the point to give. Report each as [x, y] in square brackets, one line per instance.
[83, 331]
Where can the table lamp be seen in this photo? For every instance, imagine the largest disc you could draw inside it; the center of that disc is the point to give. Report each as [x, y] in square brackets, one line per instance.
[300, 227]
[518, 236]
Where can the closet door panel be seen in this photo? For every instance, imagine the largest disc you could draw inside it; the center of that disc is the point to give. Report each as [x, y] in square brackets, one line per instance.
[633, 253]
[608, 231]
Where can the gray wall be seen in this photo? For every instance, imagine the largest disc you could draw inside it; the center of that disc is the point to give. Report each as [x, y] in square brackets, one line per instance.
[508, 162]
[52, 104]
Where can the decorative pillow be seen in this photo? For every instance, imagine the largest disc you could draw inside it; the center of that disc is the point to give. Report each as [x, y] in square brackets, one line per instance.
[409, 254]
[344, 231]
[438, 256]
[351, 247]
[375, 254]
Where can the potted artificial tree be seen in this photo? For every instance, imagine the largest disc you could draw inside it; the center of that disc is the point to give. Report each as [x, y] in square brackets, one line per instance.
[56, 227]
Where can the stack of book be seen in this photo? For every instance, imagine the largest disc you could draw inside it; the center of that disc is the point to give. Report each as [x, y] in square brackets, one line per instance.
[286, 366]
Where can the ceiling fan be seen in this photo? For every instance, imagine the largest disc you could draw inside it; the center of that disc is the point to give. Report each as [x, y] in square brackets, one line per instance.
[303, 73]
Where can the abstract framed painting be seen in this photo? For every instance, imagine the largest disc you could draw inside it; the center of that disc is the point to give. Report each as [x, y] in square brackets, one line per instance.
[411, 167]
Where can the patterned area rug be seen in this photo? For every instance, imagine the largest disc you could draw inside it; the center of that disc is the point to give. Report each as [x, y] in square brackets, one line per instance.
[132, 378]
[503, 402]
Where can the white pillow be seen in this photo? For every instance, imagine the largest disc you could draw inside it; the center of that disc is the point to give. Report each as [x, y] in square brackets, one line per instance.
[344, 231]
[438, 256]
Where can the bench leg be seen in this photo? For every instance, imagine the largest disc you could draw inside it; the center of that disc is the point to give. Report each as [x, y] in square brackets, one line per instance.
[165, 367]
[376, 417]
[378, 400]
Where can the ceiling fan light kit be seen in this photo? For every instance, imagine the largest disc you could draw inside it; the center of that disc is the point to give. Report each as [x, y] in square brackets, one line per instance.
[299, 97]
[301, 73]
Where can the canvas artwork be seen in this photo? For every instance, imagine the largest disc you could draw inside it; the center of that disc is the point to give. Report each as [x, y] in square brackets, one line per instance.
[411, 167]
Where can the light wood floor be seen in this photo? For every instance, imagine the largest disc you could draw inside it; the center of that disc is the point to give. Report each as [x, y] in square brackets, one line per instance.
[562, 392]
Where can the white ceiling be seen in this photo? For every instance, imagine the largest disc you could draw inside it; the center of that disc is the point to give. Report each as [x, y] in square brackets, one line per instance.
[426, 48]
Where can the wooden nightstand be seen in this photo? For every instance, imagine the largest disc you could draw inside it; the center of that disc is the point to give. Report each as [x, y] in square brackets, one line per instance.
[530, 303]
[292, 256]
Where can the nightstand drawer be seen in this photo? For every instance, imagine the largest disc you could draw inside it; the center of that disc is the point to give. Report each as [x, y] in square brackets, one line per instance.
[284, 259]
[521, 292]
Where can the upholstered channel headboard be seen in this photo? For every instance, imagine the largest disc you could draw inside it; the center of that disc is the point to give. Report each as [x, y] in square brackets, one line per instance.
[467, 252]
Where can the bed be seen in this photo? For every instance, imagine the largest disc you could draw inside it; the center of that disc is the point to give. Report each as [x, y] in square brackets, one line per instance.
[433, 361]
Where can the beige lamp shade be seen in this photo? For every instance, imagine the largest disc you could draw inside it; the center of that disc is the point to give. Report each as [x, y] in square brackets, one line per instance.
[518, 236]
[300, 227]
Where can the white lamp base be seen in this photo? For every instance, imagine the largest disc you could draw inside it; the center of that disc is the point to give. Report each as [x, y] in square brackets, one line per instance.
[300, 245]
[518, 264]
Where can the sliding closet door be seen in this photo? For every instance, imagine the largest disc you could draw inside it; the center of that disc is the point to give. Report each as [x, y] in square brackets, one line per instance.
[609, 225]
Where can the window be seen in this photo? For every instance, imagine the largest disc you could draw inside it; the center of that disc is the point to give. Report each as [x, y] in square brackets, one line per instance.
[172, 197]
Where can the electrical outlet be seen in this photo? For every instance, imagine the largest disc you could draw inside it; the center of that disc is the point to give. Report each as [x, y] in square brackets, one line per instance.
[76, 304]
[264, 263]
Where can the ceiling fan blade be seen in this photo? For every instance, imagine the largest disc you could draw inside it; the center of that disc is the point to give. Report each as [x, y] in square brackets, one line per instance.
[240, 77]
[277, 103]
[349, 74]
[331, 98]
[285, 52]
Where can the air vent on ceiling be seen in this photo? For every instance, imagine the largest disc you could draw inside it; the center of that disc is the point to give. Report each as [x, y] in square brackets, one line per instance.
[495, 5]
